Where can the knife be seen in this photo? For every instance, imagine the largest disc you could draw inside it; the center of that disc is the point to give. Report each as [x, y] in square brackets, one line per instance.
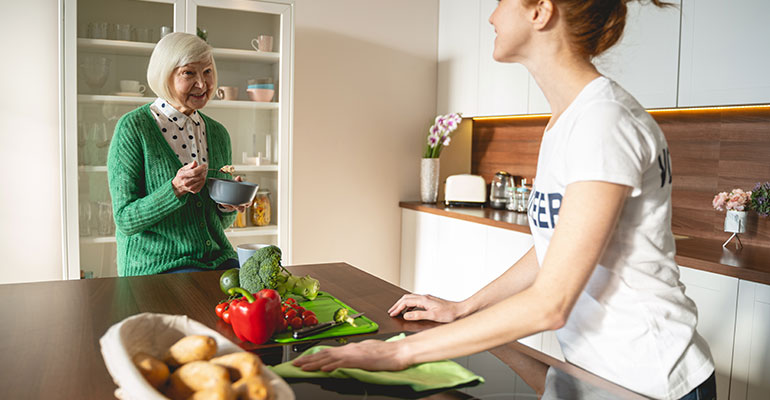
[312, 330]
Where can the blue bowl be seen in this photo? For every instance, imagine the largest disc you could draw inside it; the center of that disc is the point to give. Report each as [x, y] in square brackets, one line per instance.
[261, 86]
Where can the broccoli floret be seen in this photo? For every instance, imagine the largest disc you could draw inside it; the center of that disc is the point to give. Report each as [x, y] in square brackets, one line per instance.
[261, 270]
[341, 315]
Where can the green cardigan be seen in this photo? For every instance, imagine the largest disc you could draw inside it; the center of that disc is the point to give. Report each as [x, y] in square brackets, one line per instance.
[156, 231]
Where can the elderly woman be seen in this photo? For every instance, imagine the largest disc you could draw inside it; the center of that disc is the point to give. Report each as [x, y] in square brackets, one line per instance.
[159, 159]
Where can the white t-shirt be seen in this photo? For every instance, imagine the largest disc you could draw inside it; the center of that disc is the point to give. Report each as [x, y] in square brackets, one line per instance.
[632, 324]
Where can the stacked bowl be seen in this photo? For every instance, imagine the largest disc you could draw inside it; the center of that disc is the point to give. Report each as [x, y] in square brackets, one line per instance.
[260, 90]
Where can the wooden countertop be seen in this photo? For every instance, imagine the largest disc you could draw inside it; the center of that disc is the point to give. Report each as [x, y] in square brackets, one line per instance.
[51, 330]
[752, 263]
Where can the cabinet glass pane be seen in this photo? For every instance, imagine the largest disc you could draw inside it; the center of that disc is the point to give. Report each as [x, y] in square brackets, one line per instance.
[235, 29]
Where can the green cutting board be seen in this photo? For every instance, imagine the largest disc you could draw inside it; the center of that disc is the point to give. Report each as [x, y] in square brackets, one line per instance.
[324, 307]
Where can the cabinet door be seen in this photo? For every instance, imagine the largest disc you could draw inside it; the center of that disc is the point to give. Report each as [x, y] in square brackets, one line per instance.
[502, 87]
[458, 46]
[716, 297]
[751, 362]
[461, 257]
[419, 247]
[645, 61]
[724, 55]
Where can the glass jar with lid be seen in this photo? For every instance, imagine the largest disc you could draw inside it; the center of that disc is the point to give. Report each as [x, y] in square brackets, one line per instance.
[260, 209]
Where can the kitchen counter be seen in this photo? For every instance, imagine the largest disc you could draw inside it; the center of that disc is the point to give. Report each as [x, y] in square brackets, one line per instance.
[752, 263]
[51, 331]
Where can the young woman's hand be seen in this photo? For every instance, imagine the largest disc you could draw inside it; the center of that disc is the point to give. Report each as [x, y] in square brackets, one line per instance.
[418, 306]
[240, 208]
[190, 178]
[371, 355]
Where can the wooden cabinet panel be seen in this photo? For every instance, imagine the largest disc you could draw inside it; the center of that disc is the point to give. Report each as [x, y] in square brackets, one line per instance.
[716, 297]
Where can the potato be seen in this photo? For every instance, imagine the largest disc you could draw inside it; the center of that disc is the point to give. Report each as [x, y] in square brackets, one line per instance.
[154, 370]
[222, 391]
[196, 376]
[191, 348]
[240, 365]
[252, 388]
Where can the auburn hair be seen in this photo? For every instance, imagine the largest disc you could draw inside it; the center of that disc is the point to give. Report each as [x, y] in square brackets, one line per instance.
[594, 25]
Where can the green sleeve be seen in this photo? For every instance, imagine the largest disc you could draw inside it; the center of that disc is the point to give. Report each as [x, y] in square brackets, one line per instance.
[133, 209]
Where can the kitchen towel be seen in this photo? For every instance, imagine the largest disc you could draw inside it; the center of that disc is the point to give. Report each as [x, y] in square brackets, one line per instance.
[420, 377]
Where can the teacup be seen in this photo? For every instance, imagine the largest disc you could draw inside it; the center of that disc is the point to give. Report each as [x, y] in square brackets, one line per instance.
[262, 43]
[227, 93]
[129, 86]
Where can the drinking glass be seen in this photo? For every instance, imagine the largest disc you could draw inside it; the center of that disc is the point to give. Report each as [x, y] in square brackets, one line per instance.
[124, 32]
[106, 223]
[82, 141]
[85, 218]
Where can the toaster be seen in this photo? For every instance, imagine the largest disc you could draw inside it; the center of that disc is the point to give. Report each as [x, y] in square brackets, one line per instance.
[465, 190]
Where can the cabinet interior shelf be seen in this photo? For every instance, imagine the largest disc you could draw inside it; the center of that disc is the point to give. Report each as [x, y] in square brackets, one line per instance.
[269, 230]
[242, 104]
[238, 168]
[124, 47]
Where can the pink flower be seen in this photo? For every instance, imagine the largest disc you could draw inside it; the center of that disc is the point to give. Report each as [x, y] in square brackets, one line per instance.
[719, 201]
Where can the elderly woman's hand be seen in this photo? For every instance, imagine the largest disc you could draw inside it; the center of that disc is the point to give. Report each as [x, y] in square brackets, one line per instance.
[190, 179]
[241, 208]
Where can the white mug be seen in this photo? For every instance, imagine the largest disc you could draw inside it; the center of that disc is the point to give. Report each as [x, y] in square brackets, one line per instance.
[262, 43]
[165, 30]
[130, 86]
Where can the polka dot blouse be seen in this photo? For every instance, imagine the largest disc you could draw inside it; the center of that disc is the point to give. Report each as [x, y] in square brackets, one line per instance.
[185, 134]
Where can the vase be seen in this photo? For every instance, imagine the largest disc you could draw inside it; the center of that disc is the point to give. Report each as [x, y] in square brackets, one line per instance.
[735, 222]
[429, 168]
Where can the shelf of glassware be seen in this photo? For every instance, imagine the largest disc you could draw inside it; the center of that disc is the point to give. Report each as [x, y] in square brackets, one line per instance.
[231, 104]
[252, 231]
[124, 47]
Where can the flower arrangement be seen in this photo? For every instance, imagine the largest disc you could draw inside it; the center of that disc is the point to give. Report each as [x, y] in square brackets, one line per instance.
[439, 134]
[760, 199]
[737, 200]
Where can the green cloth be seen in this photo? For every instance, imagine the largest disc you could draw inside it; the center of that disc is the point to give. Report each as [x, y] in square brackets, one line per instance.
[156, 231]
[420, 377]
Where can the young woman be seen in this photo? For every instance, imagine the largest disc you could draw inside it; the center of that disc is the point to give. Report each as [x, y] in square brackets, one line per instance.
[602, 271]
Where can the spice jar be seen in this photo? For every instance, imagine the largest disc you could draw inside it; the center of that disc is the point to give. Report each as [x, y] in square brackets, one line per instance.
[260, 210]
[240, 220]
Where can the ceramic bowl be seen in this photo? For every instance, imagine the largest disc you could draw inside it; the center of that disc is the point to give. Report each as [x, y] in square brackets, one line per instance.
[231, 192]
[262, 95]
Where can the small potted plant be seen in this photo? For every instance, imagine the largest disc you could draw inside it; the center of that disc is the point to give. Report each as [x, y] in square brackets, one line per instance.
[760, 199]
[439, 136]
[737, 202]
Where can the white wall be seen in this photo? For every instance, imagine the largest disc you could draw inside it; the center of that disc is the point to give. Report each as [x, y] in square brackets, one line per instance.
[30, 198]
[364, 97]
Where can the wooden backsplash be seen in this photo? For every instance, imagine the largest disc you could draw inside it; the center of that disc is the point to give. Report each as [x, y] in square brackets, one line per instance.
[712, 150]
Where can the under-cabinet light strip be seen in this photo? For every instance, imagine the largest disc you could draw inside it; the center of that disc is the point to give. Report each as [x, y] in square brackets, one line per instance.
[652, 111]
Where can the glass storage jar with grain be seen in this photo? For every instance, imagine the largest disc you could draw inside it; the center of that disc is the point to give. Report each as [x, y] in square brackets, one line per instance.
[260, 210]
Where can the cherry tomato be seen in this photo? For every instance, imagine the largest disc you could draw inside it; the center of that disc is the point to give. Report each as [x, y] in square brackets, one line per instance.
[226, 316]
[296, 323]
[290, 300]
[283, 309]
[290, 314]
[310, 320]
[300, 310]
[308, 313]
[221, 307]
[284, 325]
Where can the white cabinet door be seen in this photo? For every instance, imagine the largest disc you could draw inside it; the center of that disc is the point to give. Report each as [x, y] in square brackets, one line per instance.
[645, 61]
[751, 361]
[461, 258]
[502, 87]
[716, 297]
[419, 249]
[458, 44]
[724, 55]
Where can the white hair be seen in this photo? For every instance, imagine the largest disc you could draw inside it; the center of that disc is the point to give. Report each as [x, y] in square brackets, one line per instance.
[172, 51]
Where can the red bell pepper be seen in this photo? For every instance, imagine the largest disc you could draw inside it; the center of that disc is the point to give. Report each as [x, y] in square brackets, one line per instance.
[255, 318]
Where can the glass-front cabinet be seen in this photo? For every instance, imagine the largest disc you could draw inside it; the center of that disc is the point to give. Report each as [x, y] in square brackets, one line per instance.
[107, 48]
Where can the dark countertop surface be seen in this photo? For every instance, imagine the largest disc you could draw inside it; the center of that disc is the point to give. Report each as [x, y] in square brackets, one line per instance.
[752, 263]
[51, 331]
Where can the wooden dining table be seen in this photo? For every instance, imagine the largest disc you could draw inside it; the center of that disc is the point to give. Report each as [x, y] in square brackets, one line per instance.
[50, 330]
